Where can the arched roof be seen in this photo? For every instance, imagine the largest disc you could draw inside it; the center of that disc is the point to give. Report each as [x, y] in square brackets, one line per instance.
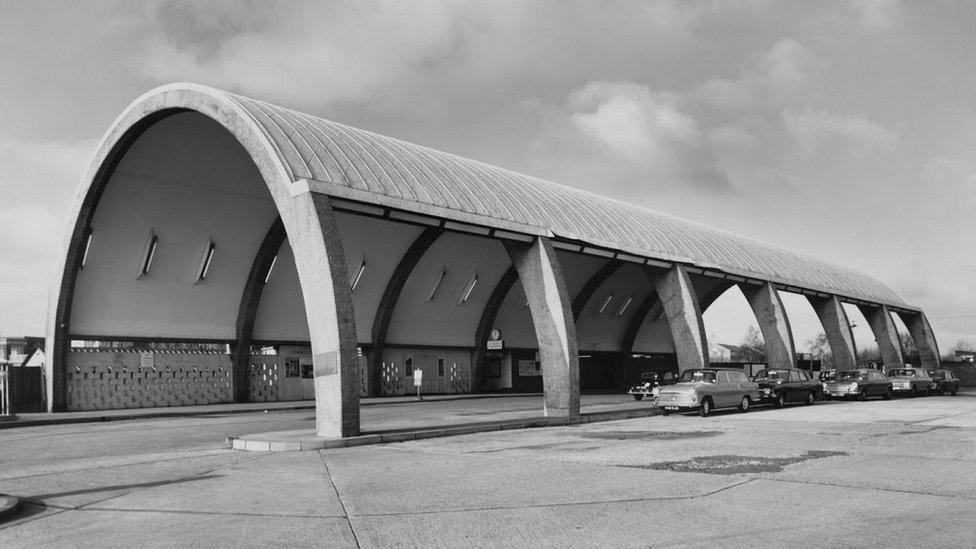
[364, 166]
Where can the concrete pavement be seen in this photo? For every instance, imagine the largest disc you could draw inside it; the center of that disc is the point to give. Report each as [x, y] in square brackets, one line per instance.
[852, 474]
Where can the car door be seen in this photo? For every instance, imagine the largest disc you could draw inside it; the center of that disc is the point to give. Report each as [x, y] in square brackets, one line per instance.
[724, 390]
[793, 386]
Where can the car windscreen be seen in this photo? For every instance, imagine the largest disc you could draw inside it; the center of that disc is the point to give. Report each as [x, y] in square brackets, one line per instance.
[697, 375]
[905, 372]
[850, 375]
[771, 374]
[936, 374]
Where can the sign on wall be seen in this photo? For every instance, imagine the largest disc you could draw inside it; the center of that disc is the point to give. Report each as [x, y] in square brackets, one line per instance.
[146, 359]
[495, 345]
[418, 377]
[529, 368]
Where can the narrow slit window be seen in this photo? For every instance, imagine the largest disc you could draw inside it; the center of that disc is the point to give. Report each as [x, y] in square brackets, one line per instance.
[150, 255]
[468, 288]
[88, 243]
[623, 307]
[359, 274]
[605, 304]
[207, 260]
[437, 284]
[271, 267]
[441, 367]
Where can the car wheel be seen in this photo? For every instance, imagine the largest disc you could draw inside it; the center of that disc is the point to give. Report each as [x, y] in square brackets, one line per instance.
[780, 399]
[914, 392]
[705, 407]
[887, 395]
[953, 392]
[638, 397]
[810, 398]
[863, 395]
[744, 405]
[665, 412]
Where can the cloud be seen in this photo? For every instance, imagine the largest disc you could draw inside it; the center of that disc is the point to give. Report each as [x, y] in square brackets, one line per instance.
[777, 76]
[302, 52]
[878, 15]
[813, 129]
[631, 120]
[625, 133]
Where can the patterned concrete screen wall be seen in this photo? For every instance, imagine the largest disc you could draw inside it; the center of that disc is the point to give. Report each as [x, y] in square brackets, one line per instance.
[262, 378]
[446, 371]
[110, 379]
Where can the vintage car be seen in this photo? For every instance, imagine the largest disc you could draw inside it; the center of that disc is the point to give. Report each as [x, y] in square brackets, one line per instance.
[781, 385]
[707, 389]
[650, 384]
[913, 381]
[859, 384]
[945, 382]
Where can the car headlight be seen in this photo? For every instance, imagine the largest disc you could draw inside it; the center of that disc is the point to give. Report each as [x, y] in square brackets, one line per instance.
[854, 386]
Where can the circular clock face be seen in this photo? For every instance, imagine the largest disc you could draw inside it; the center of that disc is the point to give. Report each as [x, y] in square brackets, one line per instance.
[495, 334]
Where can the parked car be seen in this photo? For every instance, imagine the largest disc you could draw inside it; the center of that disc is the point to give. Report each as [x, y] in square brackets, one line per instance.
[859, 384]
[707, 389]
[914, 381]
[650, 384]
[781, 385]
[945, 382]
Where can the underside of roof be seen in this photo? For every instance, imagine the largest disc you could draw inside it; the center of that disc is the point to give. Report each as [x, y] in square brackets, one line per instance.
[362, 165]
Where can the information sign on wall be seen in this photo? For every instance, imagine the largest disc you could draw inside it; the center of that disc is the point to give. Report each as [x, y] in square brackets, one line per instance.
[529, 368]
[418, 377]
[496, 345]
[146, 359]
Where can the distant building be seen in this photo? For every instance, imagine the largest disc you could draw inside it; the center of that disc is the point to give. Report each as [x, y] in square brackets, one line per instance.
[16, 351]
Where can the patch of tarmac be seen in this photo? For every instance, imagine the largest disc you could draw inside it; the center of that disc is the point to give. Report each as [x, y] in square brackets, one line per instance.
[735, 465]
[648, 435]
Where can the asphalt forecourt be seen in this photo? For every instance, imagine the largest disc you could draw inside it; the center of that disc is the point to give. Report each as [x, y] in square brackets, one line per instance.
[838, 473]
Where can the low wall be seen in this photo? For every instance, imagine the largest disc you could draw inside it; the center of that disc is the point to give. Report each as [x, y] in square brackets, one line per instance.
[105, 379]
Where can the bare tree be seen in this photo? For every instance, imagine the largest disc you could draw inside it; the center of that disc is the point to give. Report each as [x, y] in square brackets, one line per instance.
[753, 346]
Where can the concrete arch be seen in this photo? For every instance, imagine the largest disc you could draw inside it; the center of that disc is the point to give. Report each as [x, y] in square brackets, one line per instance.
[394, 287]
[307, 218]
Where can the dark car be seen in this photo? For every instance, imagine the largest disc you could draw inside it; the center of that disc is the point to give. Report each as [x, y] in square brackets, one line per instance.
[859, 384]
[781, 385]
[650, 384]
[945, 382]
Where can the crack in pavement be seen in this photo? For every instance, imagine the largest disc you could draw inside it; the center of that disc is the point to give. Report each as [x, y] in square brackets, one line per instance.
[557, 505]
[342, 504]
[876, 488]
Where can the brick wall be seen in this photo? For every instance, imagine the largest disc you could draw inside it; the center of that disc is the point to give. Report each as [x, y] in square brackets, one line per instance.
[103, 379]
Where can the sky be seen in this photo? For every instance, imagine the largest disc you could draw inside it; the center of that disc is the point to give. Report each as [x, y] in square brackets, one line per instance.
[842, 130]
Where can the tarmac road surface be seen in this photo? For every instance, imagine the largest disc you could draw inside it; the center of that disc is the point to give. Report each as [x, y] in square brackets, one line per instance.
[897, 473]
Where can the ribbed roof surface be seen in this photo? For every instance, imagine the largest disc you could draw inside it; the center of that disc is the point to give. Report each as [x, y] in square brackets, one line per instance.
[415, 176]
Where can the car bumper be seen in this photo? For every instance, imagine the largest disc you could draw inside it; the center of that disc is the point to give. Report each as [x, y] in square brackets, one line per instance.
[669, 402]
[840, 393]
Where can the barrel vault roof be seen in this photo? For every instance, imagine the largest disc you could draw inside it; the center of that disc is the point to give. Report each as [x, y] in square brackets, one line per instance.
[383, 170]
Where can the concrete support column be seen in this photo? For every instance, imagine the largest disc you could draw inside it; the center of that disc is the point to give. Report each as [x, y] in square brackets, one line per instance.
[321, 264]
[836, 325]
[928, 347]
[774, 324]
[681, 308]
[885, 334]
[552, 315]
